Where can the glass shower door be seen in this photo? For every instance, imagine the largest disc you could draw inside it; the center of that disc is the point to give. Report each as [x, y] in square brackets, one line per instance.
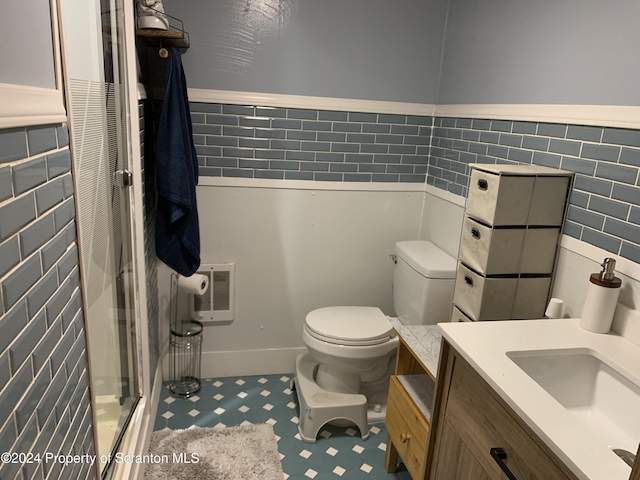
[92, 33]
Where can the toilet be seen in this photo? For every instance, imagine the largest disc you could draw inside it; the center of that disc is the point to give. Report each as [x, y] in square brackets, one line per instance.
[351, 349]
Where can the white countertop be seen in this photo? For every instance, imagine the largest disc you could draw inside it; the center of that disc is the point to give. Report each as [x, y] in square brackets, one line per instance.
[484, 346]
[424, 341]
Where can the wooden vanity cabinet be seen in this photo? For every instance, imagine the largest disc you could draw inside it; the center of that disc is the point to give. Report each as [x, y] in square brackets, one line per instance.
[455, 460]
[476, 435]
[408, 412]
[635, 472]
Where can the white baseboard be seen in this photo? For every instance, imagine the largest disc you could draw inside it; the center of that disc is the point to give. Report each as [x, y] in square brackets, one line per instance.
[599, 115]
[240, 182]
[445, 195]
[249, 362]
[22, 106]
[306, 101]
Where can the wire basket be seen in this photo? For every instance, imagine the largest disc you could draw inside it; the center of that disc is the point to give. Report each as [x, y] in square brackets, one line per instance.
[185, 349]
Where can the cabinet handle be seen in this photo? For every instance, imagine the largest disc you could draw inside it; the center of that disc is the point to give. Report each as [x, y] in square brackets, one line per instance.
[483, 184]
[499, 455]
[468, 280]
[475, 233]
[405, 437]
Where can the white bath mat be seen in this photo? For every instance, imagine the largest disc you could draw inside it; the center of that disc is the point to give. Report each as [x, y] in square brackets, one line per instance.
[246, 452]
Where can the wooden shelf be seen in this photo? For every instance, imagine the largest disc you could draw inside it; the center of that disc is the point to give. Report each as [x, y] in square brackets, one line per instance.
[177, 38]
[408, 412]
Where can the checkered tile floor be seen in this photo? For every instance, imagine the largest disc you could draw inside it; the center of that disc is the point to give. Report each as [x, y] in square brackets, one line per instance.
[338, 452]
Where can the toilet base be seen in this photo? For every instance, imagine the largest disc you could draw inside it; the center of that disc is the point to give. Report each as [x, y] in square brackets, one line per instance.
[336, 380]
[318, 406]
[376, 394]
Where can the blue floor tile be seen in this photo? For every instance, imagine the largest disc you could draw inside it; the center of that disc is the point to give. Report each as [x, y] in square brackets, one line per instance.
[339, 452]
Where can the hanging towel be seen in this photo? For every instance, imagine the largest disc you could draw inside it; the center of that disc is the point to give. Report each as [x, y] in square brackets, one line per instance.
[177, 229]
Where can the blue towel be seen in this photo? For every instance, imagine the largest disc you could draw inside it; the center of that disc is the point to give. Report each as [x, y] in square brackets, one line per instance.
[177, 229]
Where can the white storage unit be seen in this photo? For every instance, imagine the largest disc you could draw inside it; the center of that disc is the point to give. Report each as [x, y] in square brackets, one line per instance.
[458, 316]
[488, 250]
[513, 220]
[483, 298]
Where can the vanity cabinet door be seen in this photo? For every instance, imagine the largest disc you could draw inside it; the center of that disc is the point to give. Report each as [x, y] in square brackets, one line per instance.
[483, 424]
[455, 461]
[407, 430]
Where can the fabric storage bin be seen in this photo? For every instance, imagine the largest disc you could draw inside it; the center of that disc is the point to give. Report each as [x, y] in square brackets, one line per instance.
[491, 251]
[484, 298]
[499, 199]
[513, 220]
[548, 200]
[458, 315]
[539, 250]
[531, 297]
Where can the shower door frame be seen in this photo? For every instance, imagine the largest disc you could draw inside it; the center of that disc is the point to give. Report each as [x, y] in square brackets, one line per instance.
[134, 438]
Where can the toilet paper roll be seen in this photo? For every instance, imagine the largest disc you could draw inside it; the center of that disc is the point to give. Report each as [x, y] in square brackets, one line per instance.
[196, 284]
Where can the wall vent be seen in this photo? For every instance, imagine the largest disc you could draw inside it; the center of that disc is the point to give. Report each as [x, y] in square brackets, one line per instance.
[218, 302]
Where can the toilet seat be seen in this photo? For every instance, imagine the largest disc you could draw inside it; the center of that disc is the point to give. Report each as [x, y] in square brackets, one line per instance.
[349, 326]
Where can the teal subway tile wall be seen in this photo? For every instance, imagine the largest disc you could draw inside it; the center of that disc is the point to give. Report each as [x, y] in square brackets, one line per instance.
[43, 364]
[337, 146]
[604, 205]
[315, 145]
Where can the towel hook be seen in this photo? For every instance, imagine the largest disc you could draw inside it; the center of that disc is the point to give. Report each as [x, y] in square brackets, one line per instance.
[163, 52]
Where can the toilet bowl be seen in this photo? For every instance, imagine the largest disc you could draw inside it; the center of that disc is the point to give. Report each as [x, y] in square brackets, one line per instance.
[351, 344]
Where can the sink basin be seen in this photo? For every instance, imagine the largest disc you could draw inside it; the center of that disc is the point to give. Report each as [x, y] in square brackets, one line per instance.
[589, 387]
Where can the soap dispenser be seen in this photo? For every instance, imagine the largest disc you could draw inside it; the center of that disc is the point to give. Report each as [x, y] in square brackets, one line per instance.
[602, 298]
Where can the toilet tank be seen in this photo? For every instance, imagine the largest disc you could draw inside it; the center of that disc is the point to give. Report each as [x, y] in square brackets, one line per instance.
[423, 282]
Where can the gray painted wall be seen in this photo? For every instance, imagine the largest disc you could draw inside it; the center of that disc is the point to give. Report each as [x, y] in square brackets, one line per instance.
[582, 52]
[495, 51]
[360, 49]
[26, 50]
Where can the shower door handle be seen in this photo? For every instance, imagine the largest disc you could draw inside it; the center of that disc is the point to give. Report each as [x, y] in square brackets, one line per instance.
[125, 176]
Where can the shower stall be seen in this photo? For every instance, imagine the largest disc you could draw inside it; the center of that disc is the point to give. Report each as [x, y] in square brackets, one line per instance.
[93, 52]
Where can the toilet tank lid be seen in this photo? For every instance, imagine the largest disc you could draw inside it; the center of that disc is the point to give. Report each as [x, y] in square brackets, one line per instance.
[427, 259]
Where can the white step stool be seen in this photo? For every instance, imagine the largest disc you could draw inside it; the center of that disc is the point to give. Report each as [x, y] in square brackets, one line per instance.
[318, 406]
